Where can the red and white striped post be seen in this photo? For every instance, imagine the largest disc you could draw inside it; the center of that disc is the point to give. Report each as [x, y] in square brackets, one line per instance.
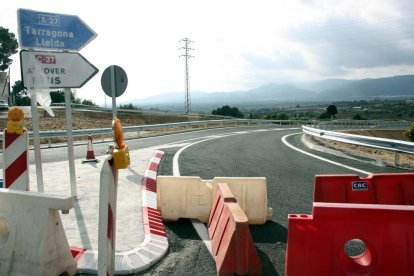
[107, 218]
[16, 161]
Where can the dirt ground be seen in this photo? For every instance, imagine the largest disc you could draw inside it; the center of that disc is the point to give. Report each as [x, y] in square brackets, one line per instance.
[381, 133]
[89, 119]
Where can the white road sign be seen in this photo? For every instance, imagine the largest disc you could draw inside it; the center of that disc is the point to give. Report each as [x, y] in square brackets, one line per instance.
[46, 69]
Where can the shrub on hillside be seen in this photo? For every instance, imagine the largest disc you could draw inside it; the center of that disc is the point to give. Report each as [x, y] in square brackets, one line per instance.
[277, 116]
[228, 111]
[409, 133]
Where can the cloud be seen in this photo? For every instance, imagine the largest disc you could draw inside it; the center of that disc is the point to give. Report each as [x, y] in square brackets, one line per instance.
[347, 44]
[345, 40]
[358, 36]
[277, 61]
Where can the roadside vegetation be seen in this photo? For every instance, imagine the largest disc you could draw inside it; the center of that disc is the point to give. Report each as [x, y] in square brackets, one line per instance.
[129, 106]
[378, 109]
[20, 97]
[228, 111]
[409, 133]
[401, 109]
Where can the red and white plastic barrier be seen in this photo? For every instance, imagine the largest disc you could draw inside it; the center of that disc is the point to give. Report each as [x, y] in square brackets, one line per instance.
[15, 161]
[231, 240]
[107, 218]
[316, 243]
[376, 212]
[381, 188]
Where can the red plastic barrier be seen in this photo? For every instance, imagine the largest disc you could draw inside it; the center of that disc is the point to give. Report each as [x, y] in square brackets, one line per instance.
[394, 189]
[316, 242]
[231, 241]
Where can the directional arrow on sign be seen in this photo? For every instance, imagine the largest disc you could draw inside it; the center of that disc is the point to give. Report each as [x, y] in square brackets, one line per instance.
[43, 30]
[47, 69]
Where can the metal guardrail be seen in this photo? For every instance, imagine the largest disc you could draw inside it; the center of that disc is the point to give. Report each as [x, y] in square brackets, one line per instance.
[366, 141]
[126, 129]
[138, 111]
[363, 124]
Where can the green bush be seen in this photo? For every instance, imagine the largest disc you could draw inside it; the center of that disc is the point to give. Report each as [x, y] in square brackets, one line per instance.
[277, 116]
[228, 111]
[409, 133]
[324, 116]
[358, 117]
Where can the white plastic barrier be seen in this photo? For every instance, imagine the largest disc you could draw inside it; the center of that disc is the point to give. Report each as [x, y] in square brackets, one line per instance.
[191, 197]
[32, 239]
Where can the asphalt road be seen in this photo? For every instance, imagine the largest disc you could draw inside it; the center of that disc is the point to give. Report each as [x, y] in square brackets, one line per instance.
[59, 152]
[289, 174]
[246, 153]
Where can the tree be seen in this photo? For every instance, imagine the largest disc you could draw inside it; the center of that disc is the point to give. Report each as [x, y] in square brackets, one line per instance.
[19, 94]
[8, 47]
[331, 110]
[58, 96]
[358, 117]
[128, 106]
[277, 116]
[409, 133]
[228, 111]
[88, 102]
[324, 115]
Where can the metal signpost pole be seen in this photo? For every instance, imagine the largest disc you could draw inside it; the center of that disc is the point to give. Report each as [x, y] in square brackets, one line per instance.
[36, 143]
[71, 155]
[114, 82]
[113, 91]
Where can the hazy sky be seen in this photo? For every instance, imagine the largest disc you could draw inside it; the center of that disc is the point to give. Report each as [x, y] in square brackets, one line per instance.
[238, 45]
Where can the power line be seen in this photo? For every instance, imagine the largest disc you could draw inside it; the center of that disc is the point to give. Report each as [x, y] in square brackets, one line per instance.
[187, 56]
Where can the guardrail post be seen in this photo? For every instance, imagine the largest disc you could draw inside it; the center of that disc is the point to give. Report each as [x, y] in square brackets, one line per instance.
[396, 158]
[49, 142]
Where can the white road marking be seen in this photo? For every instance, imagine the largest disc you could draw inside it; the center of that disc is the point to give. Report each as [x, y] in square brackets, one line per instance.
[320, 158]
[200, 228]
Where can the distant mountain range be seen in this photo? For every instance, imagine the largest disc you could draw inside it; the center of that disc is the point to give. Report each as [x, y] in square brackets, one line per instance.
[315, 91]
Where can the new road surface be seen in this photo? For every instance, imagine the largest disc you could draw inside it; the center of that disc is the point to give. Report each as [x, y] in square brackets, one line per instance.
[274, 152]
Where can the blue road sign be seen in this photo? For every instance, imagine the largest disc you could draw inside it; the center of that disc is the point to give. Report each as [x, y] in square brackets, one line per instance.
[43, 30]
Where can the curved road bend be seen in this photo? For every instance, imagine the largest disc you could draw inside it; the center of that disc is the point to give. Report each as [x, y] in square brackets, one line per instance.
[290, 174]
[236, 151]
